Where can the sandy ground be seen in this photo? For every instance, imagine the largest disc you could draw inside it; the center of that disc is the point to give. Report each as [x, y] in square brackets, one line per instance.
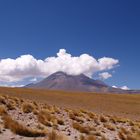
[75, 123]
[123, 105]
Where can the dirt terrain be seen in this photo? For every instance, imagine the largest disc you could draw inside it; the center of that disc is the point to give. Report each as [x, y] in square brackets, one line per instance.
[29, 120]
[123, 105]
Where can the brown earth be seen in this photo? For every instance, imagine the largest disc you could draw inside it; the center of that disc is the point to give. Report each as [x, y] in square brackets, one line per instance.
[123, 105]
[24, 119]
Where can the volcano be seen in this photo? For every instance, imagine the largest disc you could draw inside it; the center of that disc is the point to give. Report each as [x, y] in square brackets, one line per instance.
[80, 83]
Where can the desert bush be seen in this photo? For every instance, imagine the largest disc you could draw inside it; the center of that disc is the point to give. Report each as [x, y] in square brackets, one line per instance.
[91, 115]
[122, 136]
[112, 119]
[17, 100]
[47, 119]
[76, 118]
[122, 120]
[50, 108]
[89, 137]
[42, 119]
[103, 138]
[135, 128]
[35, 104]
[72, 116]
[2, 100]
[81, 128]
[131, 123]
[55, 136]
[96, 133]
[57, 109]
[79, 119]
[28, 107]
[3, 110]
[96, 120]
[60, 121]
[19, 129]
[83, 111]
[134, 136]
[47, 114]
[11, 105]
[103, 119]
[124, 130]
[109, 126]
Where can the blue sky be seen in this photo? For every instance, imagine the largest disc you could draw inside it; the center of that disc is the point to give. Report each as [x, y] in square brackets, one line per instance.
[97, 27]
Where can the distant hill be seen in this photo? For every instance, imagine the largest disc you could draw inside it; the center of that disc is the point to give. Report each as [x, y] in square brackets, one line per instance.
[63, 81]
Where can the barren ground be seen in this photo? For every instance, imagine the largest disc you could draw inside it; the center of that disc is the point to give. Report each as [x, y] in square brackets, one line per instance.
[123, 105]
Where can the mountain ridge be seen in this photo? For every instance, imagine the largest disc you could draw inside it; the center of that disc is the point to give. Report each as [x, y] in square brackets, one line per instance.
[82, 83]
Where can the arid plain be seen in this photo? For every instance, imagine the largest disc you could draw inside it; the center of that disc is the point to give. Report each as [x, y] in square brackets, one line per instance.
[125, 105]
[30, 114]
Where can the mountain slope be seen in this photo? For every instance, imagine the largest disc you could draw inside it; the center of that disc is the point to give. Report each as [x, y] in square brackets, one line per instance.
[63, 81]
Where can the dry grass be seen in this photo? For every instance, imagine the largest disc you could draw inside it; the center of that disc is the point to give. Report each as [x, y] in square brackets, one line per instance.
[60, 121]
[109, 126]
[134, 136]
[2, 100]
[126, 105]
[3, 110]
[80, 128]
[11, 105]
[46, 118]
[19, 129]
[83, 129]
[28, 107]
[55, 136]
[90, 137]
[103, 119]
[91, 125]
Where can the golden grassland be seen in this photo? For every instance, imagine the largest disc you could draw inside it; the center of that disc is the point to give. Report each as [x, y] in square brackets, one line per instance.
[125, 105]
[43, 121]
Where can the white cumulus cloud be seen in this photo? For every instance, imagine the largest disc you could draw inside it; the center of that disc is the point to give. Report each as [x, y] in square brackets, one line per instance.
[33, 80]
[105, 75]
[114, 86]
[26, 66]
[124, 88]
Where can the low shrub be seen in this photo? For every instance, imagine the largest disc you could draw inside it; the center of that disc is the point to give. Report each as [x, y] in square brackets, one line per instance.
[27, 107]
[19, 129]
[3, 110]
[55, 136]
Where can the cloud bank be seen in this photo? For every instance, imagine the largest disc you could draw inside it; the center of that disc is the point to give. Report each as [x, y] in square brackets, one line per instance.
[105, 75]
[123, 87]
[26, 66]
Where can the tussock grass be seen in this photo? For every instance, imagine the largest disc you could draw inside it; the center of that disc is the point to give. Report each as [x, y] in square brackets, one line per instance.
[46, 118]
[83, 129]
[2, 100]
[109, 126]
[134, 136]
[103, 119]
[28, 107]
[19, 129]
[89, 137]
[89, 124]
[3, 110]
[44, 121]
[11, 105]
[80, 128]
[55, 136]
[60, 121]
[76, 118]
